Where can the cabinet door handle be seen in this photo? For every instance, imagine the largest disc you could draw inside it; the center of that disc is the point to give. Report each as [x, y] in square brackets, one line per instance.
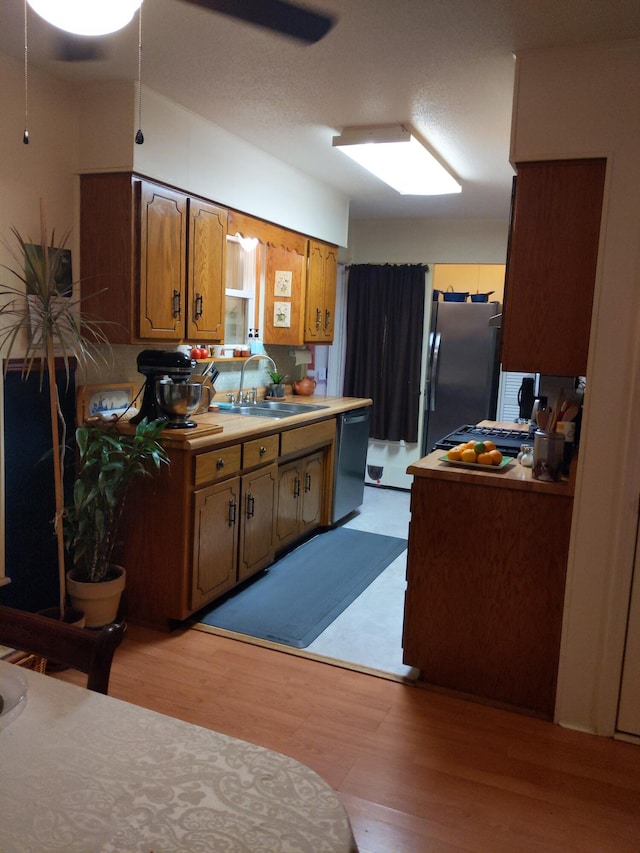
[220, 464]
[198, 306]
[263, 449]
[296, 487]
[176, 303]
[251, 503]
[318, 318]
[232, 512]
[307, 482]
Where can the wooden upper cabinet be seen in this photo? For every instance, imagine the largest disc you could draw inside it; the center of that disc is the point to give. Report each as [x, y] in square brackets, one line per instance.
[551, 266]
[152, 260]
[284, 290]
[302, 312]
[320, 301]
[205, 290]
[163, 251]
[108, 254]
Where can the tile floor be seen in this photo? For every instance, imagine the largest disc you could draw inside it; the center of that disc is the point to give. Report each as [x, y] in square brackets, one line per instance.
[369, 632]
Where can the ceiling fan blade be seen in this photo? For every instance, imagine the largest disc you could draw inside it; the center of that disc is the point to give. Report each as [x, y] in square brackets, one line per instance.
[286, 18]
[72, 48]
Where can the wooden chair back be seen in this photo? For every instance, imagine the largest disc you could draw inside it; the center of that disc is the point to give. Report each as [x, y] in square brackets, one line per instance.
[88, 651]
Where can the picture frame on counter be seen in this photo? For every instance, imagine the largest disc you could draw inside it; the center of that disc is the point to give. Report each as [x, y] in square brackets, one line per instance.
[104, 401]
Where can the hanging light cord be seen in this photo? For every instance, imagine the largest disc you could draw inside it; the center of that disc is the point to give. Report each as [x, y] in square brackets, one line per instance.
[25, 135]
[139, 134]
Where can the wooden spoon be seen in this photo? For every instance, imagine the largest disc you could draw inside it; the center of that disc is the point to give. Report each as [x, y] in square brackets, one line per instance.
[542, 419]
[570, 412]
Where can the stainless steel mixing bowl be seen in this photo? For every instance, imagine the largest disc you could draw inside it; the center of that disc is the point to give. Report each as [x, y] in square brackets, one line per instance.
[178, 400]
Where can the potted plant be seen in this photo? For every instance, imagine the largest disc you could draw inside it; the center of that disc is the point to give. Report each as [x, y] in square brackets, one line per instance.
[276, 389]
[109, 460]
[41, 318]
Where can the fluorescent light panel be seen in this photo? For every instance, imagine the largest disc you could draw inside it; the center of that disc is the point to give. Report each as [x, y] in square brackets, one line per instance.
[395, 156]
[87, 17]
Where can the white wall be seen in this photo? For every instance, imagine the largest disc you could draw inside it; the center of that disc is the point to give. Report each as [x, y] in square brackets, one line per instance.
[583, 102]
[182, 149]
[42, 170]
[432, 241]
[107, 127]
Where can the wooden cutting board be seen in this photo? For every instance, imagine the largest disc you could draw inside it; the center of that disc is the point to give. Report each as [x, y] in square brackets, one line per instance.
[179, 434]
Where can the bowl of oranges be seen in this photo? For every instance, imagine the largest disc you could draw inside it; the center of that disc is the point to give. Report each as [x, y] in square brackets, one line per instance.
[477, 454]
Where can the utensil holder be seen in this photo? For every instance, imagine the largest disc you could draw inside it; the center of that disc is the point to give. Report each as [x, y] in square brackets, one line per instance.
[548, 454]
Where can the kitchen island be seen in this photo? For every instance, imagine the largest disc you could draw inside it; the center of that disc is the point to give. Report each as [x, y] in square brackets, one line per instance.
[238, 491]
[486, 569]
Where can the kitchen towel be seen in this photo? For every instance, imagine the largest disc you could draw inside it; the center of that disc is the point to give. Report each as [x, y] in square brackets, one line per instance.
[302, 356]
[296, 598]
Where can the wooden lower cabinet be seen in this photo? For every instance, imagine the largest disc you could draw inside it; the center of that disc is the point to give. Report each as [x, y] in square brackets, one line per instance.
[215, 541]
[299, 498]
[257, 521]
[485, 591]
[232, 532]
[210, 520]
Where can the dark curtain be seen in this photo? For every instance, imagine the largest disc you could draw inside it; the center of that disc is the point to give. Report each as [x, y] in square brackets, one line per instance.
[385, 308]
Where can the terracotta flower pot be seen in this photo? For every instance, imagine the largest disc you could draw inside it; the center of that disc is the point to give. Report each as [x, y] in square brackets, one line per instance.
[99, 601]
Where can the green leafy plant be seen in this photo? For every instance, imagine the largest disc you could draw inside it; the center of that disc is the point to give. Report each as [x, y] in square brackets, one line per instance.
[108, 463]
[276, 377]
[40, 320]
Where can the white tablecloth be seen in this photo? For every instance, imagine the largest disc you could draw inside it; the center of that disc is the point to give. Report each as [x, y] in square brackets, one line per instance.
[84, 772]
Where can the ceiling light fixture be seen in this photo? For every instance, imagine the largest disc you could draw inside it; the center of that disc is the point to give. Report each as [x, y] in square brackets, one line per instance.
[87, 17]
[397, 157]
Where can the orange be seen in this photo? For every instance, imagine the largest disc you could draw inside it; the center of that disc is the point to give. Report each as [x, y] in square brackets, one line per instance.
[469, 455]
[489, 445]
[455, 454]
[485, 459]
[496, 457]
[470, 444]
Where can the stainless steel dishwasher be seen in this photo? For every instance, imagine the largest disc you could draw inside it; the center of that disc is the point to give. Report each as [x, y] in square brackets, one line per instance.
[352, 437]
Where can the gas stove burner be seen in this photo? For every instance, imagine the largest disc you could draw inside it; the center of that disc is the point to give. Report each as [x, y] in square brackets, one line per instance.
[507, 441]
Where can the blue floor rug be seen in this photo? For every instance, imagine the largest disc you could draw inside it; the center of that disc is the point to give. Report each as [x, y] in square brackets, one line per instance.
[296, 598]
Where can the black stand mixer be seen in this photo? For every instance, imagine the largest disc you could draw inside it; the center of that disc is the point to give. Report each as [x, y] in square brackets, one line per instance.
[157, 364]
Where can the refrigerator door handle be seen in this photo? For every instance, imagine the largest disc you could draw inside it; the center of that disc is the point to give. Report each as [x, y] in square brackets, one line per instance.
[429, 373]
[433, 375]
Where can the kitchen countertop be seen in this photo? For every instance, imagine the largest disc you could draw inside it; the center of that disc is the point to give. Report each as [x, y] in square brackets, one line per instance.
[215, 429]
[515, 476]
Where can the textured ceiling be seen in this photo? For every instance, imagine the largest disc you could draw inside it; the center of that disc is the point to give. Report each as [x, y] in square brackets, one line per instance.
[445, 67]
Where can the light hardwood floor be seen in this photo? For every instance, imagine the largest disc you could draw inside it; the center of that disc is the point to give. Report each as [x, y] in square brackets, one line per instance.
[418, 772]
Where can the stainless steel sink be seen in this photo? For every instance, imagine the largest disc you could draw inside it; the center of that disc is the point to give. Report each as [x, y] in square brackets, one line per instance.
[253, 411]
[269, 409]
[292, 408]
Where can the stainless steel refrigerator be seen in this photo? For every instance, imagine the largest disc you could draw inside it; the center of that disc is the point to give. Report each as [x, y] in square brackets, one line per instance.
[462, 368]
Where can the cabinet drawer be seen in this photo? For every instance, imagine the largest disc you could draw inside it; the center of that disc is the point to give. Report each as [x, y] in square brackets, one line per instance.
[307, 437]
[260, 451]
[216, 464]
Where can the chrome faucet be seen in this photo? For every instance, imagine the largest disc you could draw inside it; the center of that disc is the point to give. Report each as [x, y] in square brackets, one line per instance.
[239, 398]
